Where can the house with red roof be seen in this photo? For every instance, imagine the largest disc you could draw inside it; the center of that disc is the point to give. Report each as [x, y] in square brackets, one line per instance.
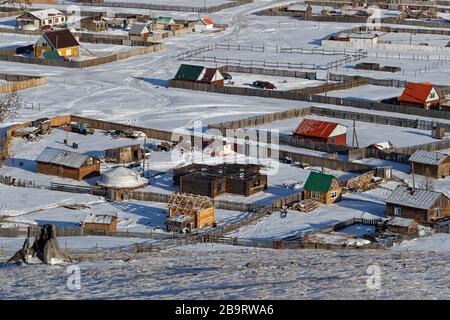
[203, 25]
[321, 131]
[421, 95]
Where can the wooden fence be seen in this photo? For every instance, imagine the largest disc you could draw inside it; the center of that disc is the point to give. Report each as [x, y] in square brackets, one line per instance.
[267, 71]
[163, 7]
[8, 55]
[21, 82]
[287, 95]
[331, 87]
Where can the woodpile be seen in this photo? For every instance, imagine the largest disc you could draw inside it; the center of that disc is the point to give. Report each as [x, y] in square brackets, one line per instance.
[364, 182]
[306, 205]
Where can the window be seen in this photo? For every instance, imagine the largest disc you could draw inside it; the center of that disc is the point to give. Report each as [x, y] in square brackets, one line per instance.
[315, 195]
[333, 194]
[397, 211]
[61, 170]
[432, 95]
[437, 212]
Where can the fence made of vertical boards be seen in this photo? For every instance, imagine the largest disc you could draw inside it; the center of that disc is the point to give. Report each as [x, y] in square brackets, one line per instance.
[10, 56]
[20, 82]
[164, 7]
[288, 95]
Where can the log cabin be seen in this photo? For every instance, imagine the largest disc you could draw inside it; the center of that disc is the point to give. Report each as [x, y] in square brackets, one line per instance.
[323, 188]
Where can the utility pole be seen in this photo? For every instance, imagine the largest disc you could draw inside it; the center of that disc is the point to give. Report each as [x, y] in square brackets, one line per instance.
[354, 136]
[412, 170]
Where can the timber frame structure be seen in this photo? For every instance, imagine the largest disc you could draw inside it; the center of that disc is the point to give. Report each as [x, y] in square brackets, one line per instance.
[188, 204]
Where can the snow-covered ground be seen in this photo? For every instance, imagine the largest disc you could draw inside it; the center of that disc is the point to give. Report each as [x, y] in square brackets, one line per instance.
[16, 201]
[436, 243]
[368, 205]
[282, 84]
[223, 272]
[367, 92]
[367, 133]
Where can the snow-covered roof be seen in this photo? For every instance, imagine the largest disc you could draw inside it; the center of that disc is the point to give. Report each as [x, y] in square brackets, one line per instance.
[414, 198]
[62, 157]
[46, 13]
[385, 145]
[400, 222]
[426, 157]
[362, 35]
[180, 218]
[121, 177]
[99, 218]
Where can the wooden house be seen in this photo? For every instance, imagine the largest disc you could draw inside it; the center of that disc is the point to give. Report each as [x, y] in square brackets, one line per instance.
[402, 225]
[126, 154]
[61, 42]
[119, 183]
[188, 211]
[163, 23]
[382, 146]
[303, 11]
[212, 181]
[321, 131]
[100, 224]
[139, 30]
[201, 74]
[421, 95]
[67, 164]
[203, 25]
[40, 19]
[419, 204]
[323, 188]
[94, 24]
[432, 164]
[438, 131]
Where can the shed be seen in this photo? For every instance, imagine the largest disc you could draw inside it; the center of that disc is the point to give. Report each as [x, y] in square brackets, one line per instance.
[125, 154]
[402, 225]
[422, 95]
[201, 208]
[323, 188]
[119, 183]
[321, 131]
[67, 164]
[432, 164]
[418, 204]
[100, 224]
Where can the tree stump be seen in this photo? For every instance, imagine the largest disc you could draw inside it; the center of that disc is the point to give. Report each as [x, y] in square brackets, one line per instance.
[45, 248]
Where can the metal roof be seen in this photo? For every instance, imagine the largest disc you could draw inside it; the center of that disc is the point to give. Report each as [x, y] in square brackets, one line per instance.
[46, 13]
[400, 222]
[319, 128]
[99, 218]
[414, 198]
[138, 29]
[426, 157]
[63, 157]
[318, 181]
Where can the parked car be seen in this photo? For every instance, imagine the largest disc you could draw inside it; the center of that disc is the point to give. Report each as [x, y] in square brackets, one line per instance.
[227, 76]
[264, 85]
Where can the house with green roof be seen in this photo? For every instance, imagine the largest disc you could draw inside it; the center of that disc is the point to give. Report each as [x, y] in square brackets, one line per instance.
[163, 22]
[323, 188]
[194, 73]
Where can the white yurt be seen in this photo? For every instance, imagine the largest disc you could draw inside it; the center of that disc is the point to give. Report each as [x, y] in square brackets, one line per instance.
[119, 181]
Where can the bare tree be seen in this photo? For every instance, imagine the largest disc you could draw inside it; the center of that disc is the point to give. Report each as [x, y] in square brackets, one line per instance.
[10, 104]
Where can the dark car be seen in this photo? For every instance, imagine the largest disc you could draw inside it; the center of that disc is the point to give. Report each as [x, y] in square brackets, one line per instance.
[264, 85]
[227, 76]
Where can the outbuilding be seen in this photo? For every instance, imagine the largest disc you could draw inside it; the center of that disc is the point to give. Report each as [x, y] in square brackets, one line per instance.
[126, 154]
[402, 225]
[432, 164]
[100, 224]
[201, 74]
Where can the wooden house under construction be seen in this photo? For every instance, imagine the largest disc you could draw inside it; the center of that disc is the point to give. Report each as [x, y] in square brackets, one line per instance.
[188, 211]
[212, 181]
